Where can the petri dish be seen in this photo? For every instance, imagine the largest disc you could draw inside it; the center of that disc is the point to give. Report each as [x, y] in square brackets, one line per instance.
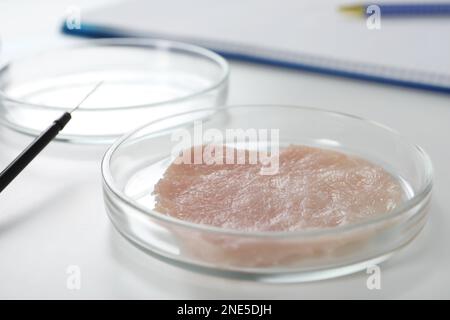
[143, 80]
[135, 163]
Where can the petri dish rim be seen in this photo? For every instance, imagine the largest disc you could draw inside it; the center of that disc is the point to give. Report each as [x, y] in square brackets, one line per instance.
[417, 198]
[158, 44]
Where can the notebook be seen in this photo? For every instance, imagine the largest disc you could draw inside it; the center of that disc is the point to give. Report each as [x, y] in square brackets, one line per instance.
[306, 35]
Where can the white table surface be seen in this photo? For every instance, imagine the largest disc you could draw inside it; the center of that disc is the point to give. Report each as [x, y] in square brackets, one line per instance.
[53, 216]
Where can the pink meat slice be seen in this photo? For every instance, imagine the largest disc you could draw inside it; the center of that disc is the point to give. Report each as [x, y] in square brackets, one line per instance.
[314, 188]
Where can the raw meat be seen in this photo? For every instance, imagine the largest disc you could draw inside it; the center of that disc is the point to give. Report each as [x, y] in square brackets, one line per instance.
[314, 188]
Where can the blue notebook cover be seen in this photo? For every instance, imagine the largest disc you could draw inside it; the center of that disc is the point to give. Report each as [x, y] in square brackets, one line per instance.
[396, 55]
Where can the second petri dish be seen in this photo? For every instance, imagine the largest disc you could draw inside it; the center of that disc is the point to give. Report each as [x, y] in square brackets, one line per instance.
[143, 80]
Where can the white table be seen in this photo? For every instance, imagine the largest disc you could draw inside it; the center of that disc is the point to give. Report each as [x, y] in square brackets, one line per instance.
[52, 216]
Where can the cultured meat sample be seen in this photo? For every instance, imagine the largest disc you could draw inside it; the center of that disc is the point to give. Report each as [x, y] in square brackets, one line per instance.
[313, 188]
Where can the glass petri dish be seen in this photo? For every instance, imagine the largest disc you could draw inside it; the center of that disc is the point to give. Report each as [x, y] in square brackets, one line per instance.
[136, 162]
[143, 80]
